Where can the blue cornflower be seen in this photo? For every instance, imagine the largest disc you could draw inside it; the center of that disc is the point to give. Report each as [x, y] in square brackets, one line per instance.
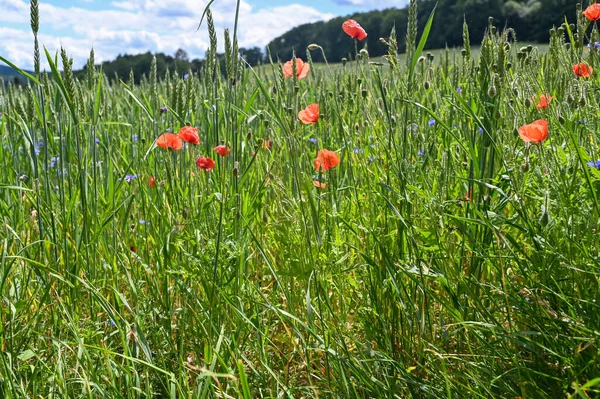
[129, 178]
[312, 140]
[458, 90]
[36, 149]
[358, 150]
[594, 164]
[163, 109]
[431, 122]
[135, 138]
[187, 75]
[480, 130]
[421, 153]
[53, 162]
[111, 323]
[142, 222]
[97, 140]
[41, 144]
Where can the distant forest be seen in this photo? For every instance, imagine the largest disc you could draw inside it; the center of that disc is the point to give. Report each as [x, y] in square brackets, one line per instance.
[530, 19]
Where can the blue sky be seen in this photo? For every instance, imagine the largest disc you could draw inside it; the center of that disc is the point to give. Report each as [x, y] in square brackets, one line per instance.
[114, 27]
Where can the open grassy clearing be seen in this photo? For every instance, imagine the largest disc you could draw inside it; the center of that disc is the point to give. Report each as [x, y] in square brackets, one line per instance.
[442, 256]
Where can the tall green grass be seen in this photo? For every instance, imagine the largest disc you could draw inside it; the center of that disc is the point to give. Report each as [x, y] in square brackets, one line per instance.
[445, 258]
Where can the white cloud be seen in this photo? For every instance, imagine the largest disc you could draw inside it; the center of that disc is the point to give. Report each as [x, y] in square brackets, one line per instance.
[373, 4]
[138, 26]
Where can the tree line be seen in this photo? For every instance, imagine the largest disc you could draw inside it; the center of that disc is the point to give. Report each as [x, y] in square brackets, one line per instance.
[531, 21]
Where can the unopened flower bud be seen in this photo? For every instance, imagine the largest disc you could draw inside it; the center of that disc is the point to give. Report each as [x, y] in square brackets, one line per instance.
[525, 167]
[313, 47]
[528, 102]
[427, 85]
[492, 91]
[344, 61]
[236, 169]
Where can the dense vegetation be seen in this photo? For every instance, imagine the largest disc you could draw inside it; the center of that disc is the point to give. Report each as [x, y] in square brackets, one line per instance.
[438, 255]
[531, 21]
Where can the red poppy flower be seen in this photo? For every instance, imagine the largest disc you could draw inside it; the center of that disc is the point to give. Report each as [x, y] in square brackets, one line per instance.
[206, 164]
[267, 144]
[132, 249]
[302, 69]
[543, 101]
[189, 135]
[318, 184]
[152, 182]
[592, 12]
[354, 30]
[326, 160]
[222, 150]
[535, 132]
[169, 140]
[582, 70]
[309, 115]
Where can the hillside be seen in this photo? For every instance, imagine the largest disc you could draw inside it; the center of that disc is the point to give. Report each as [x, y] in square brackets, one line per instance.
[531, 21]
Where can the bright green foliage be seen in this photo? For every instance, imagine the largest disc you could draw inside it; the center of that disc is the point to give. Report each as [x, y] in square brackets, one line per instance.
[445, 258]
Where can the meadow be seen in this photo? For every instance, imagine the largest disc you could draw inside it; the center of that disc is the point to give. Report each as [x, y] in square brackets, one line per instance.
[418, 234]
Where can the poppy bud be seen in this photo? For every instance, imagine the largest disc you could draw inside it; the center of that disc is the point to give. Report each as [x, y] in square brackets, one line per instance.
[509, 65]
[236, 169]
[364, 53]
[527, 60]
[572, 27]
[274, 90]
[430, 56]
[561, 119]
[356, 126]
[560, 31]
[296, 89]
[364, 93]
[492, 91]
[249, 135]
[529, 48]
[553, 32]
[464, 164]
[507, 46]
[525, 167]
[582, 101]
[567, 46]
[527, 102]
[344, 61]
[493, 30]
[382, 40]
[490, 20]
[421, 59]
[463, 52]
[359, 80]
[313, 47]
[498, 115]
[570, 99]
[427, 85]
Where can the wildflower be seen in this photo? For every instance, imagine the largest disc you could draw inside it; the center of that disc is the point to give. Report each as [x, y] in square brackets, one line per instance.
[22, 177]
[358, 150]
[354, 30]
[186, 76]
[302, 69]
[53, 162]
[134, 138]
[535, 132]
[130, 178]
[41, 144]
[169, 140]
[111, 323]
[459, 90]
[162, 110]
[326, 160]
[36, 149]
[543, 101]
[206, 164]
[420, 153]
[312, 140]
[431, 122]
[309, 115]
[142, 222]
[594, 164]
[189, 134]
[318, 184]
[592, 12]
[222, 150]
[480, 130]
[582, 70]
[267, 144]
[152, 182]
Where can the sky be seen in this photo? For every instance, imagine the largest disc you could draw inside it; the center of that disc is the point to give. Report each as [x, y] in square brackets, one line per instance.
[114, 27]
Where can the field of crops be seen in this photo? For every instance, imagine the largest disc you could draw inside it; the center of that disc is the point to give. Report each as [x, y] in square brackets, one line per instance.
[421, 226]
